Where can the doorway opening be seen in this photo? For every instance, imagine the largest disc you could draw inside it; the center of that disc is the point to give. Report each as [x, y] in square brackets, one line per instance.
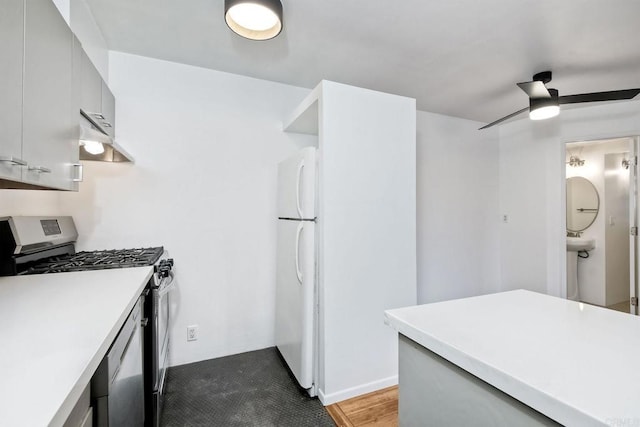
[601, 216]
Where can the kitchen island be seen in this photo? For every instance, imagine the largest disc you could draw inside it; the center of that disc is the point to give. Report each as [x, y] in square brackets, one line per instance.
[517, 358]
[55, 329]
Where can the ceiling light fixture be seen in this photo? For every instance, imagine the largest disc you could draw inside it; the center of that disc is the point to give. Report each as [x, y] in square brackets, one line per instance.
[254, 19]
[544, 108]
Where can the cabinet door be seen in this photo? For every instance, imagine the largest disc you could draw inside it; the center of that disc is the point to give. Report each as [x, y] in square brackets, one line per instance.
[91, 93]
[76, 96]
[108, 111]
[47, 125]
[11, 48]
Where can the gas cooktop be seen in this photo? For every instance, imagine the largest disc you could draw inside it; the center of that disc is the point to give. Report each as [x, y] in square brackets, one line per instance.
[96, 260]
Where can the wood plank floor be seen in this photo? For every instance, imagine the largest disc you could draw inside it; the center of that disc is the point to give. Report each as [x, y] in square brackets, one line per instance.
[379, 409]
[622, 306]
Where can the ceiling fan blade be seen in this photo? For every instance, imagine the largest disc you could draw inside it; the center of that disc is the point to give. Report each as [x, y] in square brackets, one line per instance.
[612, 95]
[505, 118]
[535, 89]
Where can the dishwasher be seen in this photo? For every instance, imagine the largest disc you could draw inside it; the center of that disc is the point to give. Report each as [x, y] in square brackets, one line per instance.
[117, 387]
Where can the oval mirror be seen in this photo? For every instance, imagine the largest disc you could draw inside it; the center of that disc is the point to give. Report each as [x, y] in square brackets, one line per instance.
[583, 203]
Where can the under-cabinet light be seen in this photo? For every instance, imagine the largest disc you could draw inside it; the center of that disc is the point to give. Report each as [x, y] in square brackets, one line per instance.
[92, 147]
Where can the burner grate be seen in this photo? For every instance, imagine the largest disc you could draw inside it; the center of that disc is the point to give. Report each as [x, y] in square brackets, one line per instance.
[97, 260]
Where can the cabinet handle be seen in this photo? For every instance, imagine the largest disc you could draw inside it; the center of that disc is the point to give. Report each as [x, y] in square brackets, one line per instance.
[13, 160]
[107, 124]
[79, 177]
[39, 169]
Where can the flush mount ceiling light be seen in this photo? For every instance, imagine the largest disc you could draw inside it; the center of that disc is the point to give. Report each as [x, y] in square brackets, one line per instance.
[254, 19]
[544, 108]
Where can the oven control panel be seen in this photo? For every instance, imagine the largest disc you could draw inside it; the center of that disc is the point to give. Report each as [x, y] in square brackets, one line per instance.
[50, 227]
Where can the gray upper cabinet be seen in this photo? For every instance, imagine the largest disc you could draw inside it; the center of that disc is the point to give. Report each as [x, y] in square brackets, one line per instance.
[97, 101]
[48, 126]
[108, 124]
[76, 96]
[46, 78]
[11, 52]
[91, 93]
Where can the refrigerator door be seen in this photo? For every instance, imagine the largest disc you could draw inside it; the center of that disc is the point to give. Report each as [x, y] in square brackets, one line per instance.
[297, 185]
[295, 282]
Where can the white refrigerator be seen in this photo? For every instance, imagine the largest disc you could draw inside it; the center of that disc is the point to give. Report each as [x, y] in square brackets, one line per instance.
[296, 265]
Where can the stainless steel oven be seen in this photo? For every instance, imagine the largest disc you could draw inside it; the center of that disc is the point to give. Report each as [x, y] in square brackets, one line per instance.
[159, 313]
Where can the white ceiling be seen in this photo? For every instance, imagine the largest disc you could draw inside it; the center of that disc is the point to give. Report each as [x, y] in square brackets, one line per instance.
[456, 57]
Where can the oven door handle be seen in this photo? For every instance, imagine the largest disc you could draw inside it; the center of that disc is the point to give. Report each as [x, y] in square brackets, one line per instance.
[165, 287]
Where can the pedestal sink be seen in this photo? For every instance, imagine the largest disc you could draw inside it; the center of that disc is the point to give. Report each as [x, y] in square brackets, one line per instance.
[575, 245]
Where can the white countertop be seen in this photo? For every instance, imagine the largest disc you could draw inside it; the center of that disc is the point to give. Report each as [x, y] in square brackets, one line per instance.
[575, 363]
[54, 331]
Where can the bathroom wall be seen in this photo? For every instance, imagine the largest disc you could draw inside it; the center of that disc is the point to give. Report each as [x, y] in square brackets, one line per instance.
[593, 276]
[616, 228]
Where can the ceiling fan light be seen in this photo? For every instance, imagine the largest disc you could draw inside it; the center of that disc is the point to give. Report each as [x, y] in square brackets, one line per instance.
[544, 108]
[543, 113]
[254, 19]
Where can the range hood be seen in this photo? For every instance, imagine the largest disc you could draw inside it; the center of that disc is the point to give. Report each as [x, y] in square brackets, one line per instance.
[96, 145]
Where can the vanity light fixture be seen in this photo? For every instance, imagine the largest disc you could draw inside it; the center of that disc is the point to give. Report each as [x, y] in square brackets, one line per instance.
[544, 108]
[575, 161]
[254, 19]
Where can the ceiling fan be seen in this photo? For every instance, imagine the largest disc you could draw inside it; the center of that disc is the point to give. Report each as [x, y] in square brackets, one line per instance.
[545, 103]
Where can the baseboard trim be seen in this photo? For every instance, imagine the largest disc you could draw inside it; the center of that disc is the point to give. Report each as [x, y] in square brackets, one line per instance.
[338, 396]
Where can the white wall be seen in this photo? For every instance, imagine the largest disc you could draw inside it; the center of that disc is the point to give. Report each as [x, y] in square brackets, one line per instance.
[457, 208]
[532, 156]
[617, 224]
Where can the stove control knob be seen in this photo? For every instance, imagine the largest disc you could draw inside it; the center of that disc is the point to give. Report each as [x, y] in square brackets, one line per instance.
[164, 268]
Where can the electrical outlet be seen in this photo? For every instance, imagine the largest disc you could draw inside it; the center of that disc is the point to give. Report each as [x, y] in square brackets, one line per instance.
[192, 333]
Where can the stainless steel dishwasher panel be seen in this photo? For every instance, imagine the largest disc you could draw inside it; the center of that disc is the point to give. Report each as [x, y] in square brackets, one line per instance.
[117, 386]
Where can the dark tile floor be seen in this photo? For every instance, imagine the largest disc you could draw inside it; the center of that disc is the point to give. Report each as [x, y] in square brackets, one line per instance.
[249, 389]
